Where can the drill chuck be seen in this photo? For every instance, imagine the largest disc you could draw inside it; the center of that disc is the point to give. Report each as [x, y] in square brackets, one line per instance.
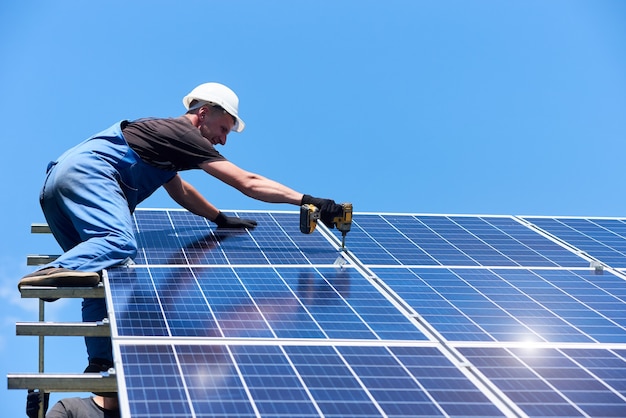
[344, 222]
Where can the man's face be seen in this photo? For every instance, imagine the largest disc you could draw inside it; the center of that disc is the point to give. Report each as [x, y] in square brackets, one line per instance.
[216, 126]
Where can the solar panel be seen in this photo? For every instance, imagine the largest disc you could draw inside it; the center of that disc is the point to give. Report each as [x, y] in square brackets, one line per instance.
[454, 241]
[604, 239]
[424, 315]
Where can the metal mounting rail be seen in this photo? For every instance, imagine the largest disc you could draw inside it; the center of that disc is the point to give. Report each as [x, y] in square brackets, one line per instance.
[39, 228]
[64, 382]
[40, 259]
[66, 329]
[60, 382]
[43, 292]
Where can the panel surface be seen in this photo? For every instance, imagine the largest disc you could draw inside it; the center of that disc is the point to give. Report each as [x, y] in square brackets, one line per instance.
[302, 381]
[454, 241]
[423, 315]
[604, 239]
[509, 305]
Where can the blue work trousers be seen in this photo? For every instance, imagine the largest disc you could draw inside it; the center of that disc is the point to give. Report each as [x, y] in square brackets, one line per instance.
[88, 198]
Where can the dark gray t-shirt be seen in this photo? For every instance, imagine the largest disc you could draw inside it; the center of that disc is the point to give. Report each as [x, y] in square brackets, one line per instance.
[80, 408]
[171, 144]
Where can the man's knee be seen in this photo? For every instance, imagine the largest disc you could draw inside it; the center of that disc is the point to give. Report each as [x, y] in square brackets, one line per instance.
[127, 249]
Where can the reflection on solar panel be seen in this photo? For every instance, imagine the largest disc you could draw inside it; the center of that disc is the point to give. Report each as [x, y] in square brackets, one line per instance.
[424, 315]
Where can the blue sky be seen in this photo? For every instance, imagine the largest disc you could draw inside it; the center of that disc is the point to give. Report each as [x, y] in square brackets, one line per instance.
[473, 107]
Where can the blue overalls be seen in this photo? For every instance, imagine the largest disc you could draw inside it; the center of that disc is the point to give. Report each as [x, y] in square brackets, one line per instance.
[88, 197]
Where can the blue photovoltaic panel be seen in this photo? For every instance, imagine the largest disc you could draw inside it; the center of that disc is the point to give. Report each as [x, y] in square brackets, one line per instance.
[552, 382]
[509, 305]
[424, 315]
[454, 241]
[603, 239]
[179, 237]
[296, 380]
[248, 302]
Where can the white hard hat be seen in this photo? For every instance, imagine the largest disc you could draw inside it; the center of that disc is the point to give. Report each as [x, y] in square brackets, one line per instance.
[220, 95]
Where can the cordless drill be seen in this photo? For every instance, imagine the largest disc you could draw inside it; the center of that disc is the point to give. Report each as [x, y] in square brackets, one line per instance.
[309, 215]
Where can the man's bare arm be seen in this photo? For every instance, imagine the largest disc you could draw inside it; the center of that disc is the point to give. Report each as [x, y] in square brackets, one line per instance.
[189, 198]
[251, 184]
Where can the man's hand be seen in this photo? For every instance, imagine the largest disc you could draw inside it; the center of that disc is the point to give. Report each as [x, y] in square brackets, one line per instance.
[329, 210]
[32, 403]
[222, 221]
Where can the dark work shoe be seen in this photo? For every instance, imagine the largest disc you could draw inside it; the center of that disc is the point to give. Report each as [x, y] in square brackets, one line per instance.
[98, 365]
[60, 277]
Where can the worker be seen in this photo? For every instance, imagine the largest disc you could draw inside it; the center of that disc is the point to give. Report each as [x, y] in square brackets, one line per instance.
[95, 406]
[91, 191]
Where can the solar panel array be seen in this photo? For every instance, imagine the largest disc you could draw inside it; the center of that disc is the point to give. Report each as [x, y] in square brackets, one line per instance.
[423, 315]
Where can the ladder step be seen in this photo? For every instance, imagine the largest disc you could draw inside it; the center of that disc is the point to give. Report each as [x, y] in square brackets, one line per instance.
[68, 329]
[40, 259]
[44, 292]
[64, 382]
[36, 228]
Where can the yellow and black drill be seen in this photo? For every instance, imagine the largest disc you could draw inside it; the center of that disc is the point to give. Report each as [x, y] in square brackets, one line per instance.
[309, 215]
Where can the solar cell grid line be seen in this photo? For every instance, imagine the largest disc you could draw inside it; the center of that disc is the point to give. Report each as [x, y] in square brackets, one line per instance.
[538, 305]
[466, 241]
[396, 391]
[261, 323]
[153, 244]
[178, 237]
[608, 283]
[200, 244]
[606, 365]
[387, 381]
[364, 245]
[295, 380]
[540, 247]
[280, 307]
[604, 244]
[615, 226]
[244, 249]
[348, 306]
[576, 298]
[445, 382]
[132, 304]
[436, 242]
[188, 236]
[498, 236]
[396, 242]
[235, 309]
[441, 250]
[253, 302]
[456, 310]
[526, 246]
[553, 305]
[609, 232]
[586, 236]
[276, 387]
[326, 300]
[439, 240]
[532, 393]
[214, 381]
[547, 380]
[275, 244]
[151, 385]
[276, 240]
[314, 247]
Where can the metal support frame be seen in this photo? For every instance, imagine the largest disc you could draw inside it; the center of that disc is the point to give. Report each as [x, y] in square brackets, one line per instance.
[60, 382]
